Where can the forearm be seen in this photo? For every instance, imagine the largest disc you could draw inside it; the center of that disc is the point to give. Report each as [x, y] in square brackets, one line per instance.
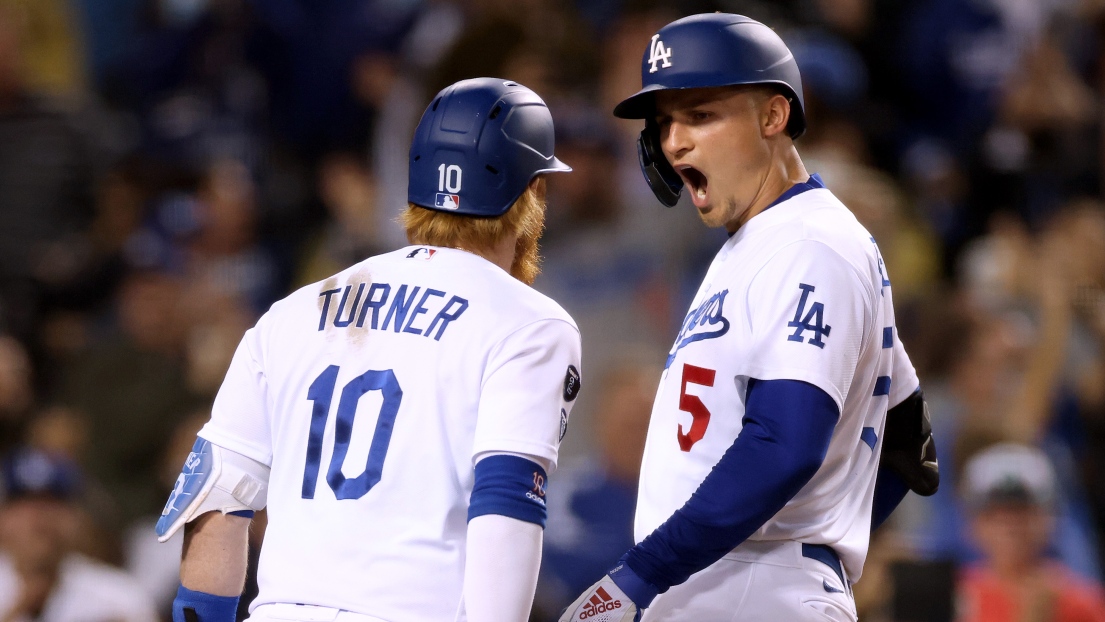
[787, 429]
[701, 532]
[500, 570]
[215, 554]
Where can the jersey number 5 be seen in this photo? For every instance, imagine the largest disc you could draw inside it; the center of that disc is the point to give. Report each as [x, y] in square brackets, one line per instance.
[700, 415]
[321, 393]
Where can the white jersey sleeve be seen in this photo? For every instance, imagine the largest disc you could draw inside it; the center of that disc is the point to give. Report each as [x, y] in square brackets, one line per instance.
[523, 407]
[905, 377]
[807, 313]
[240, 414]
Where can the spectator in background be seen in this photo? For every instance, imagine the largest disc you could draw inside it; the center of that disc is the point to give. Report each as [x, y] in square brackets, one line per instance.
[591, 508]
[41, 577]
[1040, 150]
[352, 233]
[54, 62]
[224, 253]
[47, 168]
[131, 389]
[16, 391]
[1011, 492]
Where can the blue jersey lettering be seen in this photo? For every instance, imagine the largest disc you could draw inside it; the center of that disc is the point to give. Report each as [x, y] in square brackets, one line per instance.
[814, 319]
[401, 308]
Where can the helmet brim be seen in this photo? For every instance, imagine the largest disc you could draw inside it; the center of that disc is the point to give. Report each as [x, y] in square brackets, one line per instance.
[556, 166]
[639, 105]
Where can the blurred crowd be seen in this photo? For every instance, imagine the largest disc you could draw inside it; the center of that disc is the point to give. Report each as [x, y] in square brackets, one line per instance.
[169, 168]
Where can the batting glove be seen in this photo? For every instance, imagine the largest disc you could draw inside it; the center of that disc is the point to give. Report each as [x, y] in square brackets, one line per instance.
[620, 596]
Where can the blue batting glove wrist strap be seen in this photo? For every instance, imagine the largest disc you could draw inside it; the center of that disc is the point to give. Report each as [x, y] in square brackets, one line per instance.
[641, 592]
[192, 606]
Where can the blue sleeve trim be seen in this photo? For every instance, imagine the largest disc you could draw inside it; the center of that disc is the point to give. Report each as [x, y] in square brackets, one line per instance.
[242, 513]
[882, 386]
[638, 590]
[509, 486]
[868, 436]
[203, 607]
[890, 489]
[786, 431]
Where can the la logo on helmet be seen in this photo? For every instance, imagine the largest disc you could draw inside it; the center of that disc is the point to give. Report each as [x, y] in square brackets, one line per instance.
[658, 52]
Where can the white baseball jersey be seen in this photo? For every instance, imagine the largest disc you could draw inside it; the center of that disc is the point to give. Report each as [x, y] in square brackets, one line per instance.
[799, 292]
[371, 395]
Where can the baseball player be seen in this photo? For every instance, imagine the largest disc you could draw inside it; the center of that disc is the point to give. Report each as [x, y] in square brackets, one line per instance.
[788, 422]
[399, 418]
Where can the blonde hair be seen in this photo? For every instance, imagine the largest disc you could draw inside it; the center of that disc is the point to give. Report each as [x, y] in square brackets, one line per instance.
[525, 219]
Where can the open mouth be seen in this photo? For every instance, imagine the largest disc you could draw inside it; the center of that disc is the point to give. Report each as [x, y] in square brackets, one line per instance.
[696, 183]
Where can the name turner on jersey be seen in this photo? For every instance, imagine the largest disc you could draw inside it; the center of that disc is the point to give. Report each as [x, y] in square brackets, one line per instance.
[399, 311]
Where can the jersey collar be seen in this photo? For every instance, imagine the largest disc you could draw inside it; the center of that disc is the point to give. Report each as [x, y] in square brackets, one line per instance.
[813, 183]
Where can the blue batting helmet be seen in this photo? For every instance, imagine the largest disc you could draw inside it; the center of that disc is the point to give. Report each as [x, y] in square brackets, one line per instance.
[708, 50]
[716, 49]
[477, 147]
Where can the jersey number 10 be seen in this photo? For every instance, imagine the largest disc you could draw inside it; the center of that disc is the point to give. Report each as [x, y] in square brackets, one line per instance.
[321, 393]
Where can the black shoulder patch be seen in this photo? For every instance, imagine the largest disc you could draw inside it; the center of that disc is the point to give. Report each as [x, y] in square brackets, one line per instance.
[571, 383]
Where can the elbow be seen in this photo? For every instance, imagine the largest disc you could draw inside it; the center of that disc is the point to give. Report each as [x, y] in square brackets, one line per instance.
[806, 469]
[804, 464]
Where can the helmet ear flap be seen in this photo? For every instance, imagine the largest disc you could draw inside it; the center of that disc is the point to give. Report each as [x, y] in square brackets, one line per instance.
[665, 183]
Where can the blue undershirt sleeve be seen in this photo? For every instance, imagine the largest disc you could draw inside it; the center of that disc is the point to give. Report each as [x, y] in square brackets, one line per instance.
[786, 431]
[890, 489]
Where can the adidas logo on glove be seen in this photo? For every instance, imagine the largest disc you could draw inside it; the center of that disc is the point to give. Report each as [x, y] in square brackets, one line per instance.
[600, 602]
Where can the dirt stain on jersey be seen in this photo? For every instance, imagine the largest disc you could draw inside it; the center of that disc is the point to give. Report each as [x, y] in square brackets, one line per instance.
[327, 285]
[357, 336]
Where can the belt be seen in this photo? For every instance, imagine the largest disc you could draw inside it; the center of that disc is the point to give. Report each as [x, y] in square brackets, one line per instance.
[826, 555]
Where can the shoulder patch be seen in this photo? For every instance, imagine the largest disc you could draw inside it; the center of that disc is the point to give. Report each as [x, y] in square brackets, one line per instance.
[571, 383]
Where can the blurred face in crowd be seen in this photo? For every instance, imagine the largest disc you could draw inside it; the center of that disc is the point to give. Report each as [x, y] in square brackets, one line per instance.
[348, 190]
[148, 310]
[10, 55]
[623, 418]
[15, 378]
[584, 196]
[228, 195]
[1012, 537]
[1083, 233]
[991, 368]
[722, 142]
[37, 531]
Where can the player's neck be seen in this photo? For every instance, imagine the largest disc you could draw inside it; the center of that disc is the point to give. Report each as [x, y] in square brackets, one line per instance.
[502, 254]
[785, 171]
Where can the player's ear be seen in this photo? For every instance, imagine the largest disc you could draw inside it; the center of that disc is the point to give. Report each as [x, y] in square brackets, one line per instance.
[774, 115]
[537, 185]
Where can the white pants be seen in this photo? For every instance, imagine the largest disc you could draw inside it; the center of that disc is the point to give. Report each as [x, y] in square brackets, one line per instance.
[759, 582]
[286, 612]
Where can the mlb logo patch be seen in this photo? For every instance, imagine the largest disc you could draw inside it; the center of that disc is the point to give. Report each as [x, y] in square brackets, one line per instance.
[422, 253]
[447, 201]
